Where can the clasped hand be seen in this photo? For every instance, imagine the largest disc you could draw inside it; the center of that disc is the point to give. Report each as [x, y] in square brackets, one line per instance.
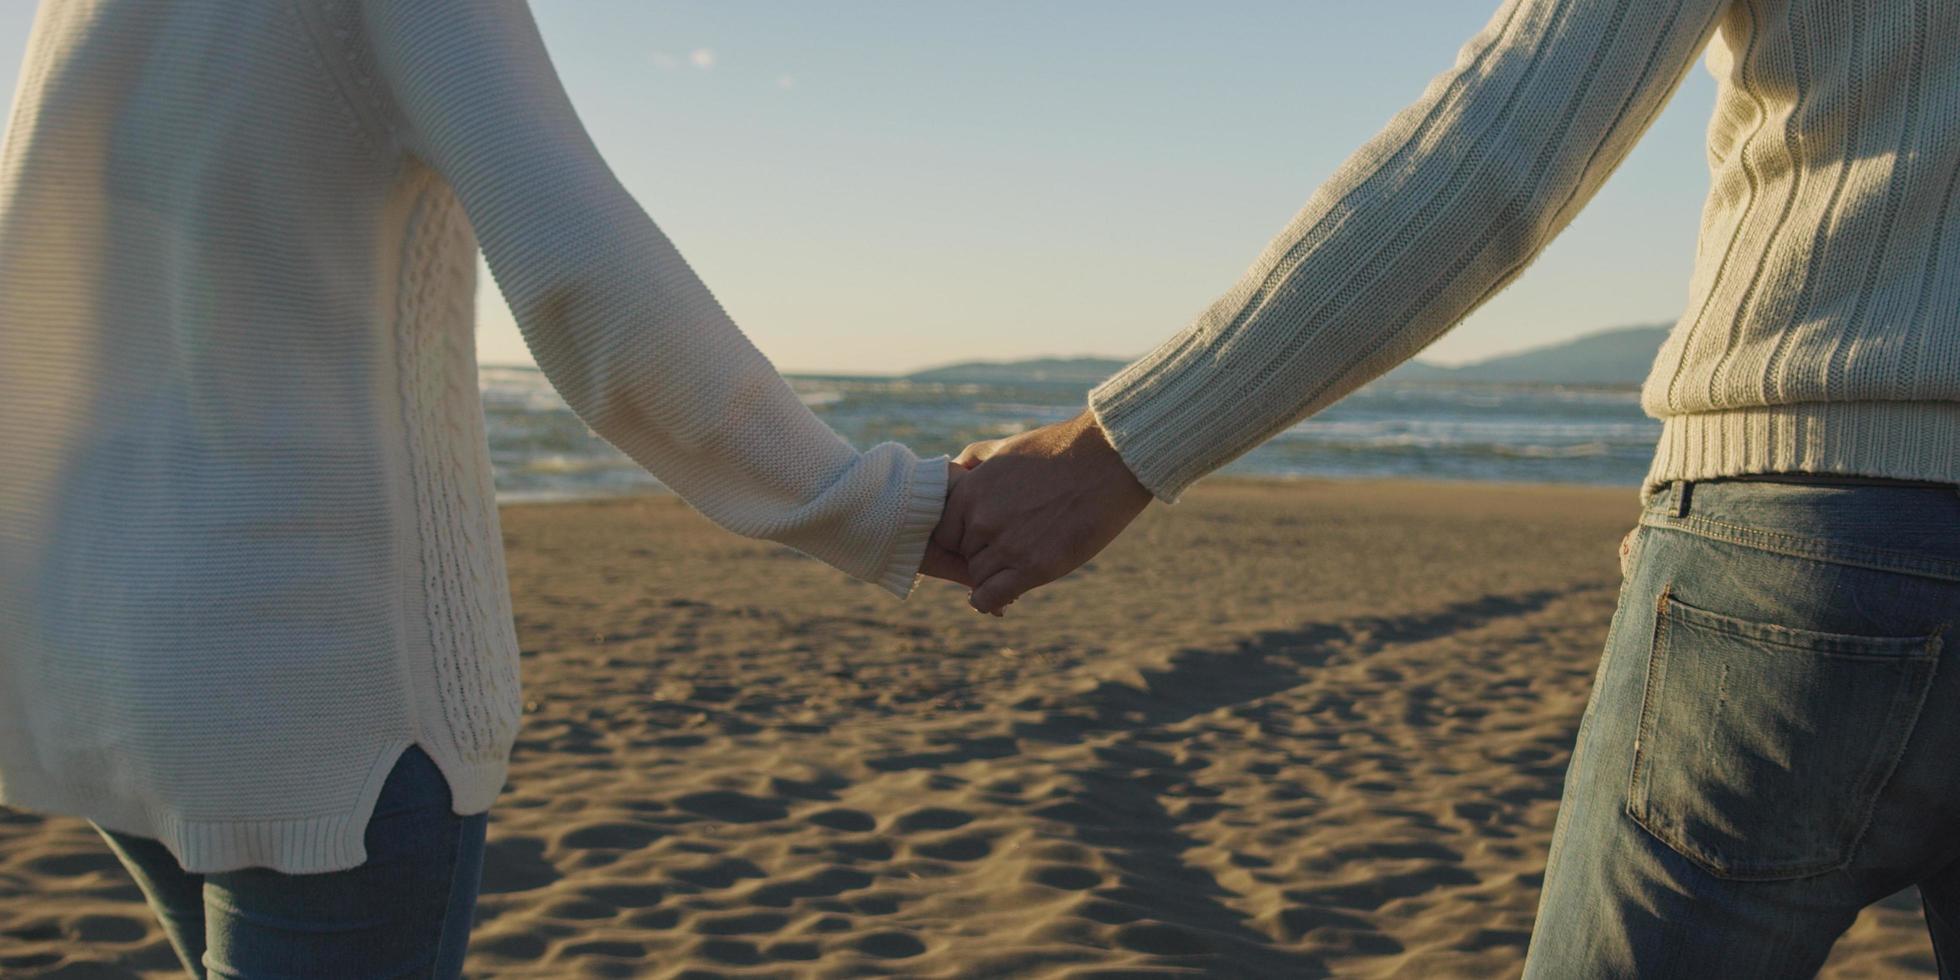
[1024, 511]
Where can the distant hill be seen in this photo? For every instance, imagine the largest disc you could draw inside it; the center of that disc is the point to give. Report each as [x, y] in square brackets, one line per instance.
[1056, 370]
[1610, 357]
[1619, 357]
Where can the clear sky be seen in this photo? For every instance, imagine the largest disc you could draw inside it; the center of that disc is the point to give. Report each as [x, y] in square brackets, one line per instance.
[881, 186]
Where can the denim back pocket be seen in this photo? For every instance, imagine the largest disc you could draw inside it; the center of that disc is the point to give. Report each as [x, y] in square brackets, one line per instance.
[1762, 749]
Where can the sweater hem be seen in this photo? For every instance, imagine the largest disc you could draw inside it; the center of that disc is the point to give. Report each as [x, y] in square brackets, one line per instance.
[1901, 440]
[293, 845]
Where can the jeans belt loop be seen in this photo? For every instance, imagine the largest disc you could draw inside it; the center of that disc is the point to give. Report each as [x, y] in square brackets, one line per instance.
[1678, 496]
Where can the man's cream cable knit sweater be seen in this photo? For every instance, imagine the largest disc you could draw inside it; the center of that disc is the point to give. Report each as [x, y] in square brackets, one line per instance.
[1822, 330]
[248, 544]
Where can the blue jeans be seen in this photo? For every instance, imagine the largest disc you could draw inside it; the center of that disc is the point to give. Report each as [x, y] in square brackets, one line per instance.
[1773, 740]
[404, 913]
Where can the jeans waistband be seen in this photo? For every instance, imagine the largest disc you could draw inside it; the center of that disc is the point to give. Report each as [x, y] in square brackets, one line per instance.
[1834, 480]
[1897, 525]
[1676, 497]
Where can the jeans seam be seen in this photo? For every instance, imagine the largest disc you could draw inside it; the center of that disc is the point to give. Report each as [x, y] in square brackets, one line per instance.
[448, 895]
[1912, 648]
[1656, 653]
[1909, 681]
[1586, 719]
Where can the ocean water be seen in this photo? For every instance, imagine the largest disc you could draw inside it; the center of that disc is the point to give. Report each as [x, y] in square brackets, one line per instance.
[1437, 431]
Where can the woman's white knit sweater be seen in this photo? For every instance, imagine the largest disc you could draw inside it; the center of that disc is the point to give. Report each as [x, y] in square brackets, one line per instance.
[1822, 329]
[248, 544]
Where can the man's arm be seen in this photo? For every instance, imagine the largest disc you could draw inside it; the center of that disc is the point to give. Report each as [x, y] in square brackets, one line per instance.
[1417, 229]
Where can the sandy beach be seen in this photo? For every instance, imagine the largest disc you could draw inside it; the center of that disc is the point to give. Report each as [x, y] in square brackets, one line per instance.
[1280, 730]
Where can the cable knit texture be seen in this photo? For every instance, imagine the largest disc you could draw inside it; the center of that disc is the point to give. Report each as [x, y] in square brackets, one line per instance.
[248, 539]
[1822, 330]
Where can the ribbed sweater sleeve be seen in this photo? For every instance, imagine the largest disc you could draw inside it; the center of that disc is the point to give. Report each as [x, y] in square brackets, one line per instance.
[1418, 228]
[616, 319]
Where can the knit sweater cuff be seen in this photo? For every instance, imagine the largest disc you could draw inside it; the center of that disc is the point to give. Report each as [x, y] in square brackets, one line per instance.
[1138, 410]
[925, 499]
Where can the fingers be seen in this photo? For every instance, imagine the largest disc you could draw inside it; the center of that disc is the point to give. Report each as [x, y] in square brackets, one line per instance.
[976, 453]
[941, 563]
[951, 529]
[1002, 588]
[986, 563]
[975, 529]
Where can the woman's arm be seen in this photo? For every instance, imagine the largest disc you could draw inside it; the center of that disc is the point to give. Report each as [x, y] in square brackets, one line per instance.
[617, 321]
[1418, 228]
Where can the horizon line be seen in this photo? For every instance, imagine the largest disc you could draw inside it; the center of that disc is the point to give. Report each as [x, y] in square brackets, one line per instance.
[1447, 365]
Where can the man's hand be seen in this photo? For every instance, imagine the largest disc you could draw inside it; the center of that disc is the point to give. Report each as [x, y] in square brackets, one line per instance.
[1046, 501]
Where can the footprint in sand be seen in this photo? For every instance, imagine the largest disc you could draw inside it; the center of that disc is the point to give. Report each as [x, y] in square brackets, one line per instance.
[732, 807]
[839, 818]
[1065, 877]
[932, 818]
[75, 864]
[617, 836]
[1161, 939]
[718, 874]
[890, 945]
[741, 924]
[733, 952]
[109, 929]
[965, 847]
[627, 896]
[792, 951]
[516, 864]
[605, 947]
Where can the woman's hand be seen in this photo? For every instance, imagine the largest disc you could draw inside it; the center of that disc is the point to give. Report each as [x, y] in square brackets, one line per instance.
[939, 561]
